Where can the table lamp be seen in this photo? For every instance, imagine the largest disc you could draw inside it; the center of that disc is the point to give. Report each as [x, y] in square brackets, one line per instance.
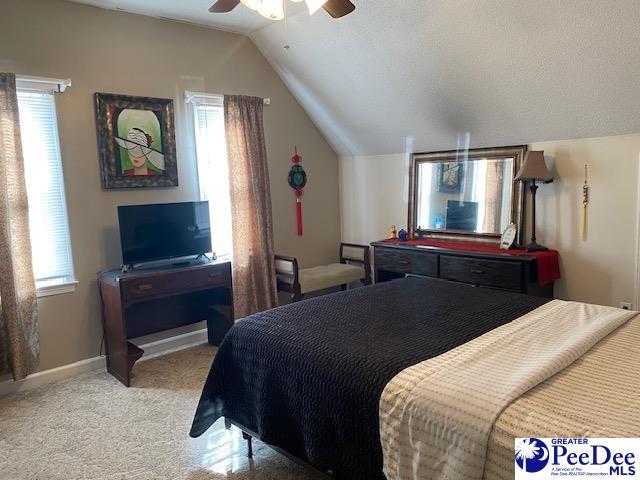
[534, 170]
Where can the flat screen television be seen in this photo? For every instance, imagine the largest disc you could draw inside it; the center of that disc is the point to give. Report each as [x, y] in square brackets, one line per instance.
[164, 231]
[462, 215]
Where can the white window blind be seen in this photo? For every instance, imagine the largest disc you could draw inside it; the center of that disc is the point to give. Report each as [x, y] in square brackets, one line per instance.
[213, 167]
[49, 226]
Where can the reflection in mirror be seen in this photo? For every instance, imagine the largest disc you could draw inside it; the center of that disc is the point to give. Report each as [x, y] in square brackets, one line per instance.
[468, 196]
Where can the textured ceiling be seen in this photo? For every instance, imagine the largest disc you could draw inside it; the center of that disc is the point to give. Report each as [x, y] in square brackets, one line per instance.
[411, 75]
[241, 20]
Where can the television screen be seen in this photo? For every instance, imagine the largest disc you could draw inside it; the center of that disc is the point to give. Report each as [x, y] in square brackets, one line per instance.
[462, 215]
[155, 232]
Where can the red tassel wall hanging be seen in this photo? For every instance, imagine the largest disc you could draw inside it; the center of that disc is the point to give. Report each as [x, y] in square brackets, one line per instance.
[297, 180]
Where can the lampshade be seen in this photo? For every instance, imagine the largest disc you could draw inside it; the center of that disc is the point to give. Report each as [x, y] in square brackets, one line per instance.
[272, 9]
[534, 168]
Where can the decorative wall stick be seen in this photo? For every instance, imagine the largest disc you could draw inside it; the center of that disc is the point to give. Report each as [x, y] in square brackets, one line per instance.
[585, 202]
[297, 180]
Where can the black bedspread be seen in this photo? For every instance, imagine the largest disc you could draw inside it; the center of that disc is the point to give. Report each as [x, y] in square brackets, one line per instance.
[308, 376]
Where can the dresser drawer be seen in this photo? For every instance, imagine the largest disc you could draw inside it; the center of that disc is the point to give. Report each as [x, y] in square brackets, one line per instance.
[425, 264]
[488, 273]
[418, 263]
[393, 260]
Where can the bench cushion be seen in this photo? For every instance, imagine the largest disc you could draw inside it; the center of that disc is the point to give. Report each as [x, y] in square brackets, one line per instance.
[326, 276]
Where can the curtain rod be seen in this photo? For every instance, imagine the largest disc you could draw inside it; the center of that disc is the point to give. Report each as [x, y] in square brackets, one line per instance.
[62, 84]
[189, 95]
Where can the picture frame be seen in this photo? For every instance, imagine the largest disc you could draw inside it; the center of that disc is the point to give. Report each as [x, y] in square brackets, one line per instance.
[450, 177]
[508, 237]
[427, 160]
[136, 141]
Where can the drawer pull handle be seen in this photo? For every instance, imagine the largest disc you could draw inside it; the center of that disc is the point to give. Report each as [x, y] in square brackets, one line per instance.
[477, 271]
[145, 286]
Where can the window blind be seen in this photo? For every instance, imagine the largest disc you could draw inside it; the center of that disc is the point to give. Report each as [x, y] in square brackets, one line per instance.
[49, 226]
[213, 168]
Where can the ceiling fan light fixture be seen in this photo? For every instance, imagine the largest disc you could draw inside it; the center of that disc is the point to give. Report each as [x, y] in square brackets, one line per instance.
[315, 5]
[275, 9]
[272, 9]
[252, 4]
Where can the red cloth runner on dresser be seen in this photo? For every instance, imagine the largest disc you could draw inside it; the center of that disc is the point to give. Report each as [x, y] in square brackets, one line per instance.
[548, 260]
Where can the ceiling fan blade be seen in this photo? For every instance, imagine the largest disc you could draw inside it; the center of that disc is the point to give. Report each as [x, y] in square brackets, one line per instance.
[224, 6]
[339, 8]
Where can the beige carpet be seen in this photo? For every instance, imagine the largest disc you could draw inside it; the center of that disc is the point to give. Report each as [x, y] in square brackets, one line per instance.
[92, 427]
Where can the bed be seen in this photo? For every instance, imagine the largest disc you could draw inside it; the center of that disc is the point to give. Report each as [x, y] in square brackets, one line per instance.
[307, 378]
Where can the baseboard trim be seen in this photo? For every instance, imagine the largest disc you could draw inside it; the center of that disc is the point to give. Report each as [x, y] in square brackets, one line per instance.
[151, 350]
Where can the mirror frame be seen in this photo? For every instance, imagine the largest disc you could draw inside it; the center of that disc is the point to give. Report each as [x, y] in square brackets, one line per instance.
[516, 152]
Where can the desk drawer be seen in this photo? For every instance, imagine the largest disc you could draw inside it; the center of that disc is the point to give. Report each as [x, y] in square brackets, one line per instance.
[212, 276]
[488, 273]
[175, 282]
[142, 287]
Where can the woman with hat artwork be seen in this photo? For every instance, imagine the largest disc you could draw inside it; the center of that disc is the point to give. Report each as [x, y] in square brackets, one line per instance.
[140, 143]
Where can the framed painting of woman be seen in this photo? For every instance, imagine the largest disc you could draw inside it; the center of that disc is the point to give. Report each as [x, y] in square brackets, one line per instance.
[136, 141]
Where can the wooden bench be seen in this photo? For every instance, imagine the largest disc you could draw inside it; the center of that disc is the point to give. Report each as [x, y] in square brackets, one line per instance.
[354, 266]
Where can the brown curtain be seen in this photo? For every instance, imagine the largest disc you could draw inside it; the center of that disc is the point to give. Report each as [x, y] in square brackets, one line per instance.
[493, 200]
[254, 277]
[19, 345]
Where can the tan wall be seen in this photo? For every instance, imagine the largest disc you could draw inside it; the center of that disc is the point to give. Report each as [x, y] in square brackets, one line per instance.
[601, 270]
[105, 51]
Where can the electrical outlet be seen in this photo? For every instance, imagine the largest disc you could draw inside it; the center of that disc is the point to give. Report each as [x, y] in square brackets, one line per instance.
[625, 305]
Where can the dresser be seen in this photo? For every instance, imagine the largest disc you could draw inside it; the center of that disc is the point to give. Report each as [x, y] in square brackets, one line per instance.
[479, 265]
[150, 300]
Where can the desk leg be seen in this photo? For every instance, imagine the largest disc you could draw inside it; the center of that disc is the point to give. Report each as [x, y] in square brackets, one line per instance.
[133, 355]
[220, 318]
[120, 363]
[219, 321]
[121, 354]
[248, 438]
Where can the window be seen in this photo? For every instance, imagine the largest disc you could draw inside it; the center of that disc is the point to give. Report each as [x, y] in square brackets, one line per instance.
[48, 223]
[213, 168]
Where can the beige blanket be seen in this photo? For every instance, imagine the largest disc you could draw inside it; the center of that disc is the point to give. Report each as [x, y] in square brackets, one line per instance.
[597, 396]
[436, 417]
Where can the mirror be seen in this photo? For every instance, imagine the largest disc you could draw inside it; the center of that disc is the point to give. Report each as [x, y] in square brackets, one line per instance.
[471, 194]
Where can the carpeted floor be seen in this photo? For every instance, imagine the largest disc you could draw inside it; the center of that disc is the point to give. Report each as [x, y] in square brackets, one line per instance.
[92, 427]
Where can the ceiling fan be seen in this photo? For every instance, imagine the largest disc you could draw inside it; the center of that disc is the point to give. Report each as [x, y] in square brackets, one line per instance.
[274, 9]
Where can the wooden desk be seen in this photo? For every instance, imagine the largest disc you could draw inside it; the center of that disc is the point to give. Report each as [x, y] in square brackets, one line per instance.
[502, 271]
[151, 300]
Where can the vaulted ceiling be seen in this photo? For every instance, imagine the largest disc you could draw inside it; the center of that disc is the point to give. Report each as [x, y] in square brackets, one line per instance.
[411, 75]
